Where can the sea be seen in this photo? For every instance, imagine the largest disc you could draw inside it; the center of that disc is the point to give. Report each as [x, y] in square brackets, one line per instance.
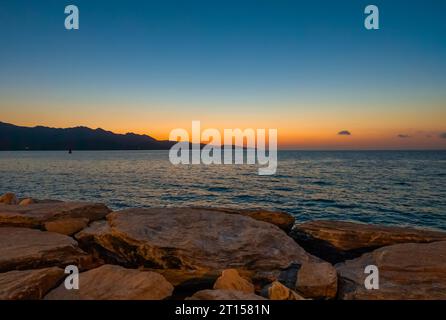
[402, 188]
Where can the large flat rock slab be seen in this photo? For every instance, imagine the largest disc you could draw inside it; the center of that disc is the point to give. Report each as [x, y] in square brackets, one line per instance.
[23, 248]
[35, 215]
[406, 271]
[110, 282]
[192, 239]
[67, 226]
[337, 241]
[283, 220]
[29, 284]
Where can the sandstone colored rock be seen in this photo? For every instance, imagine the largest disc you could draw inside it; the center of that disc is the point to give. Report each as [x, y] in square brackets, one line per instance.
[192, 239]
[67, 226]
[9, 199]
[22, 248]
[231, 280]
[110, 282]
[317, 280]
[337, 241]
[222, 294]
[283, 220]
[406, 271]
[35, 215]
[277, 291]
[26, 201]
[188, 280]
[29, 284]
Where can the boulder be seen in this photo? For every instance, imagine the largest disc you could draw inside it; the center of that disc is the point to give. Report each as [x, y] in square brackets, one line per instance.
[231, 280]
[9, 199]
[27, 201]
[29, 284]
[35, 215]
[406, 271]
[22, 248]
[283, 220]
[222, 294]
[277, 291]
[67, 226]
[110, 282]
[336, 241]
[192, 239]
[317, 280]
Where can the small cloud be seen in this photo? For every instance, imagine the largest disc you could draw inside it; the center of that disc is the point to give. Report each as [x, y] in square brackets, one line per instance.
[443, 135]
[344, 133]
[403, 136]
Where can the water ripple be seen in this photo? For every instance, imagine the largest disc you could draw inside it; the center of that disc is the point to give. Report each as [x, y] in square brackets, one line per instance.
[396, 188]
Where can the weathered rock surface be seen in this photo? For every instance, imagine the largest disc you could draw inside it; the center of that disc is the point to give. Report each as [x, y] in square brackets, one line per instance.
[67, 226]
[336, 241]
[317, 280]
[27, 201]
[222, 294]
[35, 215]
[277, 291]
[192, 239]
[22, 248]
[406, 271]
[110, 282]
[231, 280]
[29, 284]
[201, 248]
[287, 276]
[283, 220]
[8, 199]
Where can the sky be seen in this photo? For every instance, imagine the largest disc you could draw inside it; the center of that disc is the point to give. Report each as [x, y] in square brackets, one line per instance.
[306, 68]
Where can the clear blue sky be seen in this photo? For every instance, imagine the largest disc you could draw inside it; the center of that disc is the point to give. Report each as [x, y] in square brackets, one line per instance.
[258, 60]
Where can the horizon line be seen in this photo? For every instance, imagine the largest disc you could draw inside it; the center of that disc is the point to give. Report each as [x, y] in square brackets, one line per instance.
[285, 146]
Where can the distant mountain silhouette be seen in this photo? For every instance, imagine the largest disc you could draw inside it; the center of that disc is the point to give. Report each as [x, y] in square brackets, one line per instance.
[79, 138]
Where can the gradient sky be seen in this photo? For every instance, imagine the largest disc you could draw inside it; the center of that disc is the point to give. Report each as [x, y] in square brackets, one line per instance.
[308, 68]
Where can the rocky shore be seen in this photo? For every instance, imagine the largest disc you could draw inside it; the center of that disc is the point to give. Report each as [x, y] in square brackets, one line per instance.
[208, 254]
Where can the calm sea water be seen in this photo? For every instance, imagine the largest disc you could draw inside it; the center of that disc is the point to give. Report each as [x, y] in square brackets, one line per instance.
[396, 188]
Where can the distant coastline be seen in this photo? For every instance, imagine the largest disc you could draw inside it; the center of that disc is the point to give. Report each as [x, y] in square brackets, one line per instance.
[41, 138]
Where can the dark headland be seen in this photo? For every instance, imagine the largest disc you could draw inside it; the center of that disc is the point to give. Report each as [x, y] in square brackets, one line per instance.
[15, 138]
